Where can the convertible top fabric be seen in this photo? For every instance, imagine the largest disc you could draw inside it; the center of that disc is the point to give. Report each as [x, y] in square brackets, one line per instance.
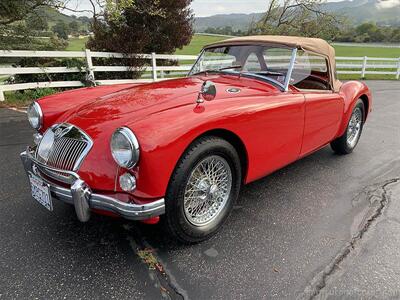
[315, 45]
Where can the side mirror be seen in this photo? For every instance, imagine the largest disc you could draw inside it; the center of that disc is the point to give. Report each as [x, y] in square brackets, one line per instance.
[208, 92]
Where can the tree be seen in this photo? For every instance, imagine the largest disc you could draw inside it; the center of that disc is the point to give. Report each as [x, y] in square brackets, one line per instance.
[395, 36]
[298, 17]
[143, 26]
[36, 22]
[20, 19]
[12, 10]
[211, 30]
[370, 30]
[73, 26]
[61, 29]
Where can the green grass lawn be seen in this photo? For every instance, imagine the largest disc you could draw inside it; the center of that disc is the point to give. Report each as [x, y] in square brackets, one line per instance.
[197, 43]
[367, 51]
[76, 44]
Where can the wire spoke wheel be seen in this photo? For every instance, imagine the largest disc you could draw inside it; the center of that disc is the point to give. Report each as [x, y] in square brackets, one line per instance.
[354, 128]
[207, 191]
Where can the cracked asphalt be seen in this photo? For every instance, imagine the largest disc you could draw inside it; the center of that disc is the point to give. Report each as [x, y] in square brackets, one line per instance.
[326, 226]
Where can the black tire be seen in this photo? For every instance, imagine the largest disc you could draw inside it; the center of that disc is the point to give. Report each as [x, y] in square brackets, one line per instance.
[175, 220]
[341, 145]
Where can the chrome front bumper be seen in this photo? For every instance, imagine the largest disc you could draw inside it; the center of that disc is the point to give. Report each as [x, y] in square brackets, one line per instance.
[81, 196]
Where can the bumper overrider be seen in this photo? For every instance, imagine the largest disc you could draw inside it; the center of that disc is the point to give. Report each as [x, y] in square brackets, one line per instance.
[83, 199]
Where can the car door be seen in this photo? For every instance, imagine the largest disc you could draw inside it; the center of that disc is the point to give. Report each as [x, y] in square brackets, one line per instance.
[273, 127]
[323, 107]
[323, 113]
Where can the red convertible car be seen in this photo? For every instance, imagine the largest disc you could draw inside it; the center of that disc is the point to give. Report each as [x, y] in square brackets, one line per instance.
[180, 150]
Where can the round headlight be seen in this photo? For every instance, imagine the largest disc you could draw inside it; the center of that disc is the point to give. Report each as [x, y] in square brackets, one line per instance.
[35, 115]
[125, 148]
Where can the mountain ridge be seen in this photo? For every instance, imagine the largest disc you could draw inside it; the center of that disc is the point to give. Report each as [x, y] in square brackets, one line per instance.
[382, 12]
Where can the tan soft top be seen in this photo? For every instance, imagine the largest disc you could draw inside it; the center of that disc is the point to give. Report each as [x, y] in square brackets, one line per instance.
[314, 45]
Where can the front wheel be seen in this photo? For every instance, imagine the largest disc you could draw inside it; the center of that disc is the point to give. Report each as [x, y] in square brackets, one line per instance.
[203, 190]
[349, 140]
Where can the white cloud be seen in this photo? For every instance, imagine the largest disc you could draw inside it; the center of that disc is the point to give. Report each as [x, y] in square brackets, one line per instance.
[203, 8]
[387, 4]
[220, 9]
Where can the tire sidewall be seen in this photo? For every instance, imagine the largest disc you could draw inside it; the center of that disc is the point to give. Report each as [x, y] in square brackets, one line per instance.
[175, 210]
[359, 104]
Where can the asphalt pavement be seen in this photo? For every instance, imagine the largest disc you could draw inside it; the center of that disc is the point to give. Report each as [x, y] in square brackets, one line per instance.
[327, 226]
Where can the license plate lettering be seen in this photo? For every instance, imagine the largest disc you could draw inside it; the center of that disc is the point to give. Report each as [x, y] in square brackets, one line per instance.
[40, 192]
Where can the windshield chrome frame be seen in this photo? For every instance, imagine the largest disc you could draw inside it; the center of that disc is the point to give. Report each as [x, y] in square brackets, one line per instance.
[284, 87]
[197, 60]
[290, 69]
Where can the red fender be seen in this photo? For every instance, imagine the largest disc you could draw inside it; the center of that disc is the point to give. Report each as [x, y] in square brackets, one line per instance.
[351, 91]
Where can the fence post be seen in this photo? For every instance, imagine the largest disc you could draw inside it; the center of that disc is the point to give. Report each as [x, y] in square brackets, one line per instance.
[89, 64]
[398, 70]
[2, 95]
[154, 66]
[364, 67]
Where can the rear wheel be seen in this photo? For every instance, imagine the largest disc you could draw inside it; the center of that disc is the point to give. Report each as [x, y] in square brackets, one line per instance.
[203, 190]
[349, 140]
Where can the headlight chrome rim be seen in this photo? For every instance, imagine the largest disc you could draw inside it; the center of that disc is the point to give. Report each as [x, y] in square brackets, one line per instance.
[134, 146]
[35, 106]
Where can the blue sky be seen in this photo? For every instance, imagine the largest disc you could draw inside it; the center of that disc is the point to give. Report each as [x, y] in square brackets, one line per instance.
[203, 8]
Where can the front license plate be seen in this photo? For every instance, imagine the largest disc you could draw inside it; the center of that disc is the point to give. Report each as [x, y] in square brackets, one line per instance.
[41, 191]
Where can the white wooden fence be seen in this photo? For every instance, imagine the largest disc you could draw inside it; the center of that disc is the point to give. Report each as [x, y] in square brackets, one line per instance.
[369, 66]
[157, 72]
[361, 66]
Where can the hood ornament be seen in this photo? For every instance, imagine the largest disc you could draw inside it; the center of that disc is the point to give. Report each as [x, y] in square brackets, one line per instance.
[208, 92]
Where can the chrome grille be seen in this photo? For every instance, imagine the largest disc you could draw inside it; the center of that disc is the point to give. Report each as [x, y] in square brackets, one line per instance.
[65, 153]
[63, 147]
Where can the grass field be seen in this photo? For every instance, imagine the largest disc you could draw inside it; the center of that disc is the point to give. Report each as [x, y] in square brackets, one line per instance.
[197, 44]
[199, 41]
[76, 44]
[367, 51]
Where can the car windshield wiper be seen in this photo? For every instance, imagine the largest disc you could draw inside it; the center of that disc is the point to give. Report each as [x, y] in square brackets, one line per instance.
[231, 67]
[270, 73]
[219, 70]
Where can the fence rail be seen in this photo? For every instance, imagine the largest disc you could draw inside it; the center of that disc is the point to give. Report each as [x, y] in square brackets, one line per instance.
[361, 66]
[152, 73]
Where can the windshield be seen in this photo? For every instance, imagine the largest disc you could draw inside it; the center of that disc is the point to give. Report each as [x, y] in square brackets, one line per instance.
[268, 61]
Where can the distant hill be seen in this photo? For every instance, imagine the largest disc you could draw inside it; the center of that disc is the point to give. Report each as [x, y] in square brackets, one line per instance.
[236, 21]
[383, 12]
[53, 16]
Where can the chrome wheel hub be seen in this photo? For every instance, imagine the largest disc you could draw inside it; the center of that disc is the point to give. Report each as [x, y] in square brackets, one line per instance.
[207, 190]
[354, 129]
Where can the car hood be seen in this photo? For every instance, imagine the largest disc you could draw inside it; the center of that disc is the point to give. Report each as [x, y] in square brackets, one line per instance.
[142, 100]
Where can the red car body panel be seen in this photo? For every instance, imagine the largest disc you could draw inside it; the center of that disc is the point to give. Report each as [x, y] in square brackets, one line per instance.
[275, 127]
[57, 104]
